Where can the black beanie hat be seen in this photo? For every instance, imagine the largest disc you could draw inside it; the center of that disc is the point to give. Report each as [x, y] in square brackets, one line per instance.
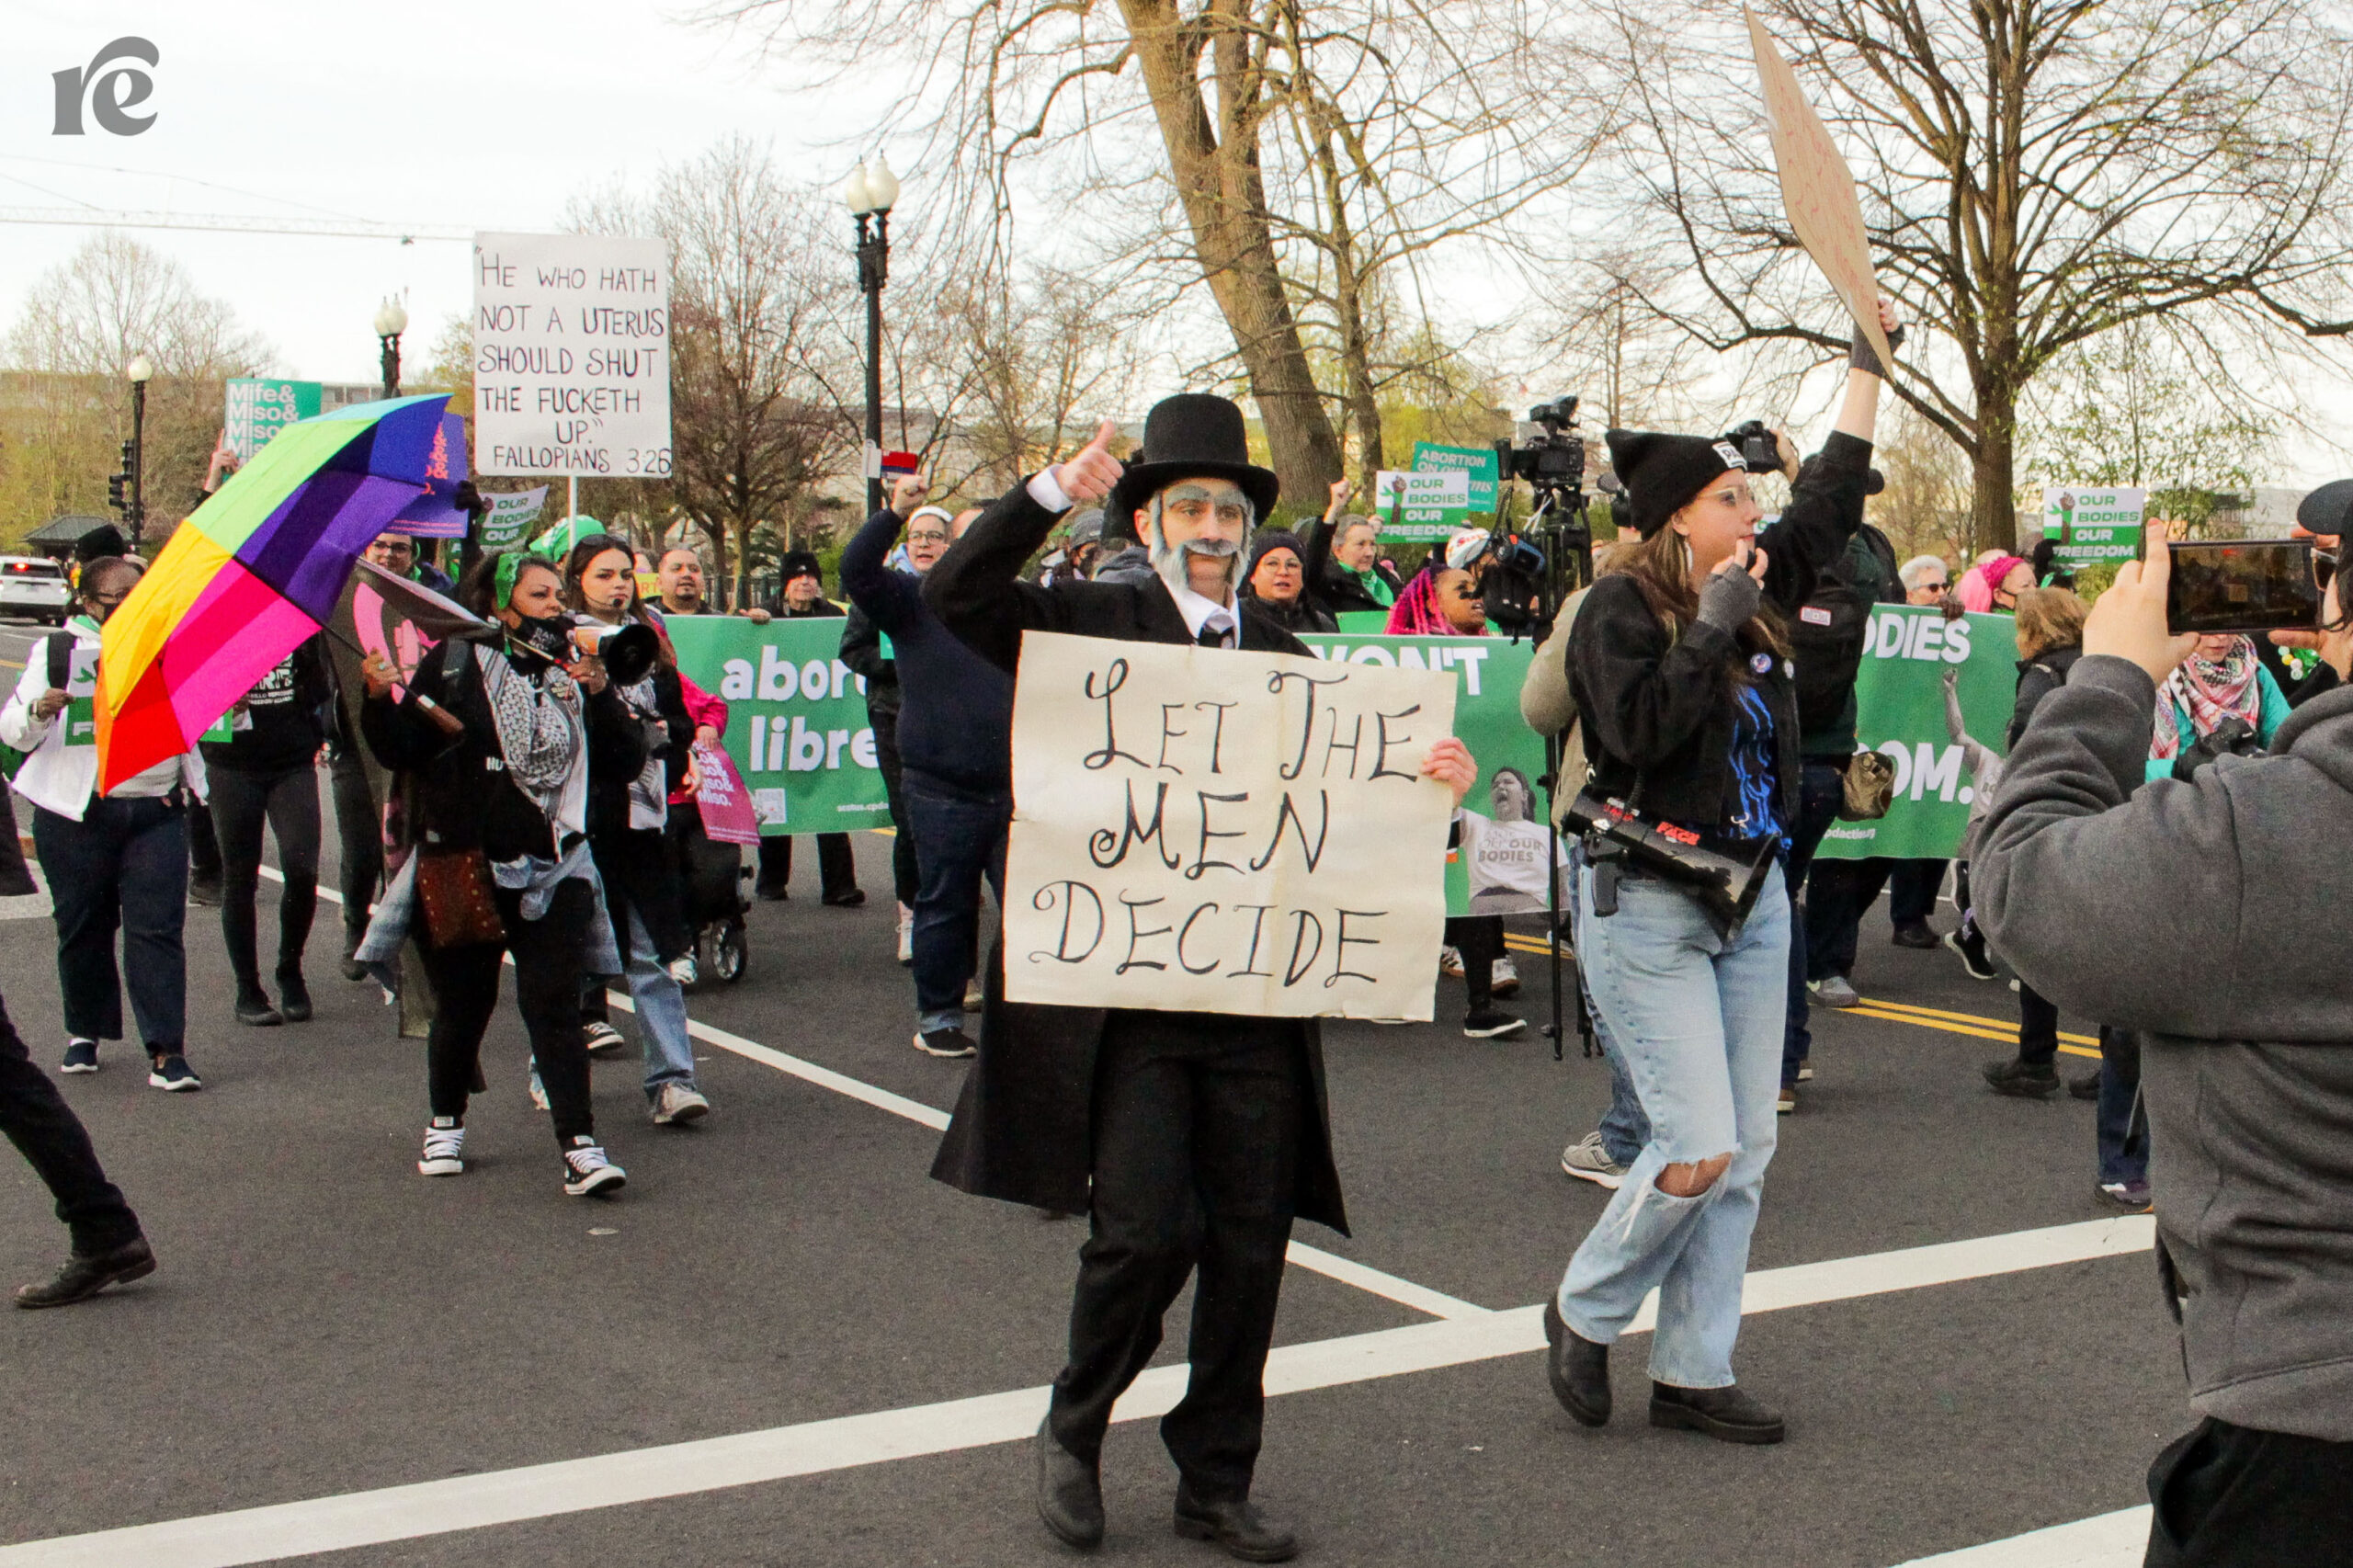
[100, 542]
[1661, 473]
[798, 563]
[1267, 541]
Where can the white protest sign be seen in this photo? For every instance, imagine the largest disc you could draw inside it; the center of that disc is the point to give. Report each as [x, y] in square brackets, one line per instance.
[512, 515]
[572, 356]
[1210, 831]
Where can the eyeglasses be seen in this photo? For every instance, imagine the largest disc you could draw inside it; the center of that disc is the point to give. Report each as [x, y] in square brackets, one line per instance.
[929, 536]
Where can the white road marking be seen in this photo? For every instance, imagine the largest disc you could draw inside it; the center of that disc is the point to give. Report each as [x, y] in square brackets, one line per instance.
[567, 1486]
[2111, 1540]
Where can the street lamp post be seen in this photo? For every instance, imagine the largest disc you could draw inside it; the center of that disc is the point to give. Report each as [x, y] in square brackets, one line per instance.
[141, 372]
[390, 321]
[870, 192]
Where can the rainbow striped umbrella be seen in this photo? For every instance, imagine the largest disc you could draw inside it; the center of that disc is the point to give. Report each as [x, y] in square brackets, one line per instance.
[253, 571]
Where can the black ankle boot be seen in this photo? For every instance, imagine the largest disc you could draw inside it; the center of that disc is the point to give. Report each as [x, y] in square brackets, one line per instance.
[1577, 1369]
[293, 996]
[253, 1006]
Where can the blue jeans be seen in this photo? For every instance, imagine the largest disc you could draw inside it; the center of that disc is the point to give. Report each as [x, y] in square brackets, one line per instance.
[1822, 790]
[2123, 1138]
[1624, 1128]
[661, 1013]
[960, 842]
[1699, 1021]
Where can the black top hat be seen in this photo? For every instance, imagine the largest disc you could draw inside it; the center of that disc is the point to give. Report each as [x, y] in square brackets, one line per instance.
[1192, 434]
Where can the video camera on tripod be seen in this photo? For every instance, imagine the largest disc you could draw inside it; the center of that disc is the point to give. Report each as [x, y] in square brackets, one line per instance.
[1531, 570]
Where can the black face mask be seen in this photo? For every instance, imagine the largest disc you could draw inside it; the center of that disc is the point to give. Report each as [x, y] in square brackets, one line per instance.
[551, 635]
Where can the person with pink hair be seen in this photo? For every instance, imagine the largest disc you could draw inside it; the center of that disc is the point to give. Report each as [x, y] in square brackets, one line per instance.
[1996, 586]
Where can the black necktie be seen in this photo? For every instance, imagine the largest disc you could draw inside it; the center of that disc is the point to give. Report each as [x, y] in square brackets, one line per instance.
[1212, 635]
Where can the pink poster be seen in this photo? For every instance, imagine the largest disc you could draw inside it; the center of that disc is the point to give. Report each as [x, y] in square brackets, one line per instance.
[727, 813]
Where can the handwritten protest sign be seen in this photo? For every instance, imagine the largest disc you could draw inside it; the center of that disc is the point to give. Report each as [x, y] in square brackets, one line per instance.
[571, 355]
[1818, 191]
[1223, 832]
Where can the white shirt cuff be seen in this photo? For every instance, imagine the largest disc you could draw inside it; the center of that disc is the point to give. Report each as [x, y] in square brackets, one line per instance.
[1047, 491]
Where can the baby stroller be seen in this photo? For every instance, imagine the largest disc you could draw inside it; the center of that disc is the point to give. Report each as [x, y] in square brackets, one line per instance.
[718, 883]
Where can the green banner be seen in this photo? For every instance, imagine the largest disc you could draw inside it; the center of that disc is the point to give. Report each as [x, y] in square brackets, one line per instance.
[257, 408]
[796, 718]
[1901, 700]
[1498, 867]
[1363, 623]
[1478, 462]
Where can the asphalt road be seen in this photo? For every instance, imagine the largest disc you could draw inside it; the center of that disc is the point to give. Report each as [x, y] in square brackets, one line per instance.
[326, 1323]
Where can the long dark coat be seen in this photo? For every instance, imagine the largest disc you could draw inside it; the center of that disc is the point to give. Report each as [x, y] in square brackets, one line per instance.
[1024, 1126]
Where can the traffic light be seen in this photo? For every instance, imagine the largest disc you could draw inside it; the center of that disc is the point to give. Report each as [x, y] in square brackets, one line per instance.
[115, 498]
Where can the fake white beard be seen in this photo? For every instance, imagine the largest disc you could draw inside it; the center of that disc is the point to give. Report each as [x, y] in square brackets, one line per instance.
[1174, 563]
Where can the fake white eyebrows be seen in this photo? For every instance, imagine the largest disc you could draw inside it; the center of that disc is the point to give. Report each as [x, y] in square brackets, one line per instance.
[1217, 495]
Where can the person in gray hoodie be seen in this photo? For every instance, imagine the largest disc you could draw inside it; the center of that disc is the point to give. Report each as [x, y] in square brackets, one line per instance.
[2187, 912]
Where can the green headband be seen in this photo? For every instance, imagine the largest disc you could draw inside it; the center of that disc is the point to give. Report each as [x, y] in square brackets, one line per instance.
[510, 565]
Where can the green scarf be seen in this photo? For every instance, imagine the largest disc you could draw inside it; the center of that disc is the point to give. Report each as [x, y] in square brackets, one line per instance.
[1375, 584]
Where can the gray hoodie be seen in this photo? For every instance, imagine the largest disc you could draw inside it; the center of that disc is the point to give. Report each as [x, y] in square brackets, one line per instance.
[2206, 915]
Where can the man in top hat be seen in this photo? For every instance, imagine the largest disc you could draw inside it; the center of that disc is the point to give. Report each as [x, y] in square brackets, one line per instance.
[1190, 1139]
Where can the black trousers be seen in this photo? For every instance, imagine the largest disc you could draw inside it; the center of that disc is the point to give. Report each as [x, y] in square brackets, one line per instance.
[2235, 1497]
[1480, 939]
[123, 867]
[15, 881]
[906, 877]
[1197, 1131]
[836, 870]
[360, 842]
[547, 989]
[203, 849]
[1838, 893]
[50, 1137]
[288, 801]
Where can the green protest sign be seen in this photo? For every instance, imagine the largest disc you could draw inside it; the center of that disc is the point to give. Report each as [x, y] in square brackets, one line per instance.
[1900, 697]
[1499, 866]
[1478, 463]
[257, 408]
[513, 514]
[796, 718]
[2092, 525]
[1421, 505]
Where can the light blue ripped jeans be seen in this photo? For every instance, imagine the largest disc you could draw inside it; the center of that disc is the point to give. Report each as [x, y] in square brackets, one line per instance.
[1699, 1021]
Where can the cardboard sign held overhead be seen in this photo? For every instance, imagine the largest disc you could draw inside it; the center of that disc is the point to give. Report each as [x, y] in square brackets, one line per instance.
[1818, 191]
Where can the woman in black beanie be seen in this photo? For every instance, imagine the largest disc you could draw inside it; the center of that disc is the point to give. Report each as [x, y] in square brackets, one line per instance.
[1276, 584]
[1679, 664]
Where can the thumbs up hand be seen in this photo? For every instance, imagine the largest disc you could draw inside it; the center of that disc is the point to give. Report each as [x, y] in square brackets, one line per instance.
[1090, 475]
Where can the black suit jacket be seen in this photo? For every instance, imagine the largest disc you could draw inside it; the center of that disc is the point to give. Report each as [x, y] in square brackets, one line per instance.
[1024, 1125]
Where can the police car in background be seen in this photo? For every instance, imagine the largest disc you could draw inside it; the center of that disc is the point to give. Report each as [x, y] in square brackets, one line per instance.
[34, 585]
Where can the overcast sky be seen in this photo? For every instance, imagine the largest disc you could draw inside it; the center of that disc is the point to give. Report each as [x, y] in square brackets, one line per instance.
[450, 114]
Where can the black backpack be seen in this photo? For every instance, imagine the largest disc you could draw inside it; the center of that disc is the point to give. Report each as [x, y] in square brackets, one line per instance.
[1830, 631]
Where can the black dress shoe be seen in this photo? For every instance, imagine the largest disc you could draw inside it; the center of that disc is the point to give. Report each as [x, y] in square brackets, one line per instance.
[1916, 935]
[1577, 1369]
[1726, 1414]
[254, 1009]
[770, 893]
[1237, 1528]
[848, 898]
[353, 970]
[86, 1273]
[1070, 1492]
[2024, 1081]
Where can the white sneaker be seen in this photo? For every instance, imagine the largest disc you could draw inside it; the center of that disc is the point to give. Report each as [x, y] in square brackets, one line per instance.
[602, 1039]
[445, 1148]
[677, 1104]
[1450, 962]
[906, 935]
[1507, 978]
[586, 1171]
[684, 971]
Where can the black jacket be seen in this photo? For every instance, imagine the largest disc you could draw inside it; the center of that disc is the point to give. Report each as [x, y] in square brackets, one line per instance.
[862, 652]
[952, 713]
[1023, 1129]
[1305, 613]
[2037, 679]
[1658, 705]
[639, 869]
[454, 797]
[1335, 586]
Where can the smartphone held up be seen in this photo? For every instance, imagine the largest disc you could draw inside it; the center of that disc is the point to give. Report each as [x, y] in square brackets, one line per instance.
[2250, 585]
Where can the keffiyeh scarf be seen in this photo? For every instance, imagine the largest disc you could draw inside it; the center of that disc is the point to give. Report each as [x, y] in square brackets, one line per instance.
[2208, 691]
